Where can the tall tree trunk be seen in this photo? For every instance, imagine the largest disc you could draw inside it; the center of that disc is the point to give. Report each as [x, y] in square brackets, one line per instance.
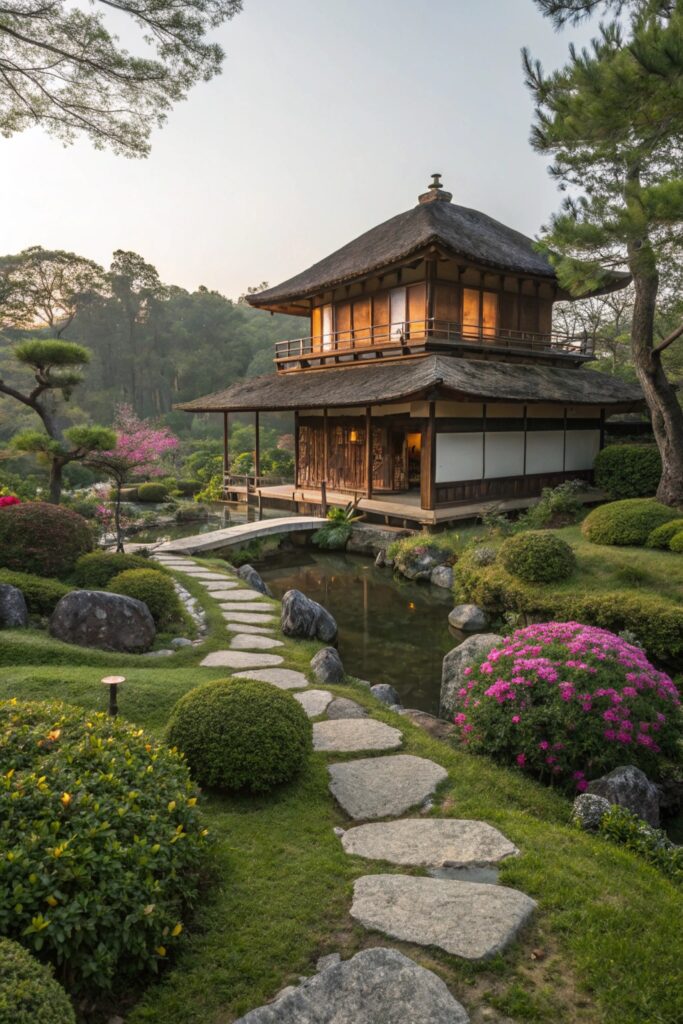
[117, 519]
[56, 469]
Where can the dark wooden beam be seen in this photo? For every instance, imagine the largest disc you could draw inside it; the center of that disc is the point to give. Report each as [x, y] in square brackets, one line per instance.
[326, 446]
[257, 446]
[428, 461]
[296, 447]
[226, 453]
[368, 451]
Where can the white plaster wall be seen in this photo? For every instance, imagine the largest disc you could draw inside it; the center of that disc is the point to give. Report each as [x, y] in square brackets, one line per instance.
[504, 453]
[544, 451]
[459, 457]
[582, 447]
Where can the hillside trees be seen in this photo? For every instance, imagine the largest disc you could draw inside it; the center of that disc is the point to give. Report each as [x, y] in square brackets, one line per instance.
[612, 120]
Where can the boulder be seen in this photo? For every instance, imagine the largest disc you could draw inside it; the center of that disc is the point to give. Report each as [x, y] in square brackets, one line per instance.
[327, 666]
[629, 787]
[367, 539]
[589, 810]
[385, 693]
[442, 576]
[381, 560]
[95, 618]
[13, 610]
[253, 579]
[455, 663]
[301, 617]
[181, 641]
[343, 707]
[419, 563]
[470, 618]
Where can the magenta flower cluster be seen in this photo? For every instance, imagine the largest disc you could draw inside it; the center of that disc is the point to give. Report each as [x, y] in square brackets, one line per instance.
[569, 701]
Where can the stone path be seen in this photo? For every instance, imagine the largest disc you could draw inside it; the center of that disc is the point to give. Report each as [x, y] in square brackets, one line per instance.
[349, 734]
[314, 702]
[430, 842]
[249, 642]
[379, 787]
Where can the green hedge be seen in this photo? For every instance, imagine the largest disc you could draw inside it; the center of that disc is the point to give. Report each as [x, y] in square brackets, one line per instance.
[627, 522]
[45, 539]
[664, 534]
[41, 594]
[128, 494]
[107, 843]
[152, 492]
[628, 470]
[538, 557]
[29, 993]
[155, 589]
[676, 542]
[241, 734]
[188, 488]
[95, 570]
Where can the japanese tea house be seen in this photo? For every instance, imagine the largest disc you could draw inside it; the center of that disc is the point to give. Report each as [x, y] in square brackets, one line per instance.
[429, 380]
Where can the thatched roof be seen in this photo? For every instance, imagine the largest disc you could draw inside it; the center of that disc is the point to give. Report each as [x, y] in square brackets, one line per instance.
[376, 382]
[457, 230]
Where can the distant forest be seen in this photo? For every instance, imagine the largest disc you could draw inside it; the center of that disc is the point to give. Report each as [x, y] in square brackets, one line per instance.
[152, 344]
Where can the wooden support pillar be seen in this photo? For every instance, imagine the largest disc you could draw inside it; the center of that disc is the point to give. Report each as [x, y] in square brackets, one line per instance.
[257, 448]
[602, 429]
[226, 454]
[431, 269]
[296, 448]
[326, 448]
[368, 451]
[428, 461]
[564, 440]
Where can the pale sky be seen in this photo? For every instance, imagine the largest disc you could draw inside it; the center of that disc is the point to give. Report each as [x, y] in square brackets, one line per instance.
[329, 117]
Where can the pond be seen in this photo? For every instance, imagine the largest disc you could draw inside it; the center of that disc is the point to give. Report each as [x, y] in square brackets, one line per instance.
[391, 630]
[221, 517]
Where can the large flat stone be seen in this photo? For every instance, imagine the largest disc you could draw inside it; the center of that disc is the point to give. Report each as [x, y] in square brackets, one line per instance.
[240, 659]
[380, 787]
[283, 678]
[376, 986]
[429, 842]
[245, 642]
[212, 585]
[243, 606]
[314, 702]
[255, 618]
[468, 919]
[244, 627]
[206, 574]
[237, 595]
[345, 734]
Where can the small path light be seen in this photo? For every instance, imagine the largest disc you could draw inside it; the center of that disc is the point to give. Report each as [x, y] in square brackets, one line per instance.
[113, 682]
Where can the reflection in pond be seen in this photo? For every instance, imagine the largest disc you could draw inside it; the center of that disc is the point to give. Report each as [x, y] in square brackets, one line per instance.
[221, 516]
[390, 630]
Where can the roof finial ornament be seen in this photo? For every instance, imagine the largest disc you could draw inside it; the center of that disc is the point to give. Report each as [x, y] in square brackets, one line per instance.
[435, 193]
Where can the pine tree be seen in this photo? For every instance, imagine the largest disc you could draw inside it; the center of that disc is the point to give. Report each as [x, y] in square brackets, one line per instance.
[612, 119]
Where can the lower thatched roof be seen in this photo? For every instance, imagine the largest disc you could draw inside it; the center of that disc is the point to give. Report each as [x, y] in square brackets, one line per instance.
[434, 375]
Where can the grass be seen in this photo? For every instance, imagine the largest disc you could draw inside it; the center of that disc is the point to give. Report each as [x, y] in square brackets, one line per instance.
[605, 947]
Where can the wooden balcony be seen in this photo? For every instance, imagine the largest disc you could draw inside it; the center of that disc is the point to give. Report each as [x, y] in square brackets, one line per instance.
[412, 338]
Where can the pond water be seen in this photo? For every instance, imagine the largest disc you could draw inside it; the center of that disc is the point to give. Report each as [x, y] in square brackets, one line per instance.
[221, 517]
[390, 630]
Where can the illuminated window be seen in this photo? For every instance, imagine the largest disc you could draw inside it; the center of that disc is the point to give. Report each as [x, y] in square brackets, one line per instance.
[397, 303]
[479, 313]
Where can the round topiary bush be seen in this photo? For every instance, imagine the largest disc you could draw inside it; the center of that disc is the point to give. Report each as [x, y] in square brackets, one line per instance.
[628, 470]
[41, 594]
[102, 842]
[152, 492]
[662, 535]
[626, 522]
[676, 542]
[44, 539]
[155, 589]
[96, 569]
[128, 494]
[188, 488]
[241, 734]
[538, 557]
[29, 993]
[570, 702]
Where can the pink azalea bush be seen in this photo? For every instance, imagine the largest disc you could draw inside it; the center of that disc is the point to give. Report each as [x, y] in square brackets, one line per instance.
[569, 702]
[8, 499]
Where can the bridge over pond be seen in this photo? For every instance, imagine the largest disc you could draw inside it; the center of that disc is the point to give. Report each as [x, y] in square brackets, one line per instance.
[236, 536]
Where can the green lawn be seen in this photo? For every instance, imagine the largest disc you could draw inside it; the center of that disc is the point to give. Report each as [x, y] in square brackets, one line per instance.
[605, 947]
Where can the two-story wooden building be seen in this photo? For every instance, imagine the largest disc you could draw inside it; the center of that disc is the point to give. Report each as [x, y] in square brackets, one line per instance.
[429, 378]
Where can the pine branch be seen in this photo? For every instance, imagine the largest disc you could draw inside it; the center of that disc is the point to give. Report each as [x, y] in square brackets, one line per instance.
[669, 340]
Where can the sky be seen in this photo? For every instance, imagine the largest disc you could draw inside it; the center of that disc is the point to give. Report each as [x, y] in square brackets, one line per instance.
[329, 118]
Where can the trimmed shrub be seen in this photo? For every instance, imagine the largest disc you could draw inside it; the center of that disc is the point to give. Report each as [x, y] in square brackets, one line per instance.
[188, 488]
[241, 734]
[105, 839]
[127, 494]
[569, 702]
[29, 993]
[664, 534]
[95, 570]
[557, 506]
[44, 539]
[676, 542]
[538, 557]
[41, 594]
[152, 492]
[155, 589]
[626, 522]
[621, 826]
[628, 470]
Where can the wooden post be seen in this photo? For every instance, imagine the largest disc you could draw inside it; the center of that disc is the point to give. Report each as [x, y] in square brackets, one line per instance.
[323, 498]
[602, 429]
[368, 451]
[257, 449]
[296, 448]
[226, 460]
[431, 294]
[326, 460]
[428, 461]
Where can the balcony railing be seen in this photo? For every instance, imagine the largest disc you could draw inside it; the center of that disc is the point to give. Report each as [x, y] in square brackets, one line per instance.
[420, 335]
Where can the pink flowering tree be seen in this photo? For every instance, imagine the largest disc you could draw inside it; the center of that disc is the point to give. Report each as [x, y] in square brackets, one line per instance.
[139, 451]
[568, 702]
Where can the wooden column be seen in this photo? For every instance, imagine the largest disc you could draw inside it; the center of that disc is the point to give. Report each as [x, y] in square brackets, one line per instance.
[428, 461]
[431, 293]
[326, 446]
[296, 447]
[368, 451]
[564, 440]
[257, 448]
[226, 454]
[602, 429]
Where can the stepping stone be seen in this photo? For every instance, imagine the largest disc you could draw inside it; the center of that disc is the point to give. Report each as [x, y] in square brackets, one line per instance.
[244, 642]
[347, 734]
[342, 707]
[211, 577]
[243, 606]
[472, 920]
[253, 617]
[314, 702]
[225, 584]
[283, 678]
[376, 986]
[379, 787]
[237, 595]
[240, 659]
[430, 842]
[243, 627]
